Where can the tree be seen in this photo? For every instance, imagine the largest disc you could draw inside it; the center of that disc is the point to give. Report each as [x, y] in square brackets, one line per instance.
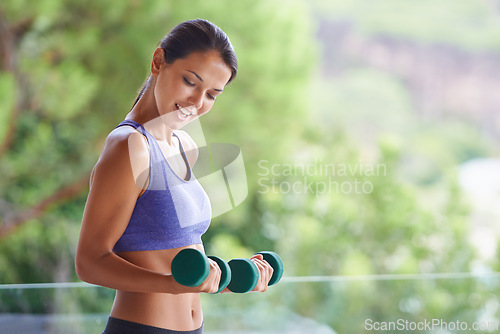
[71, 72]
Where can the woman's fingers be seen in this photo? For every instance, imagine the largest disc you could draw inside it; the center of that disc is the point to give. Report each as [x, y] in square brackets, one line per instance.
[214, 276]
[210, 284]
[265, 272]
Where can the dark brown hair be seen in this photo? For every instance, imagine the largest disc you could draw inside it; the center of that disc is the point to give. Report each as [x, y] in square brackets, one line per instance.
[196, 36]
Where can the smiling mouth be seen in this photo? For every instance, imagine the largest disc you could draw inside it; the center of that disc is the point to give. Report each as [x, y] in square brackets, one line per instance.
[185, 112]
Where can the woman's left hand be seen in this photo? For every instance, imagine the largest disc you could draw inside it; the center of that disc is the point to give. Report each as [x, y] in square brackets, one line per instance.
[265, 272]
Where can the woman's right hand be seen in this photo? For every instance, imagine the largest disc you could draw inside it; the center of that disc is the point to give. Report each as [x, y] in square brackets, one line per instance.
[209, 285]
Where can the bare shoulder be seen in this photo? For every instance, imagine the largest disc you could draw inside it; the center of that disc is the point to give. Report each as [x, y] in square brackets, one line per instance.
[189, 145]
[124, 149]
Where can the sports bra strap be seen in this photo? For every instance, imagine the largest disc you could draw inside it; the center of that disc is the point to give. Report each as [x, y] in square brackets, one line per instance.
[137, 125]
[133, 124]
[184, 157]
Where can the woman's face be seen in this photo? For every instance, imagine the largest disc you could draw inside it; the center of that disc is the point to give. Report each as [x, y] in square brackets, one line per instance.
[187, 88]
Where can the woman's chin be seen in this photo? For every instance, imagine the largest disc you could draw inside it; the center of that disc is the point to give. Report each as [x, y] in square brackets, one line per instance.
[175, 121]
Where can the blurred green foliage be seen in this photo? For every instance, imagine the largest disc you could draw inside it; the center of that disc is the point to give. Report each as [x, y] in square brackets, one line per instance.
[77, 71]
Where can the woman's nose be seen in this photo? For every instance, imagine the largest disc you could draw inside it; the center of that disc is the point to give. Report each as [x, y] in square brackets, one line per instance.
[196, 100]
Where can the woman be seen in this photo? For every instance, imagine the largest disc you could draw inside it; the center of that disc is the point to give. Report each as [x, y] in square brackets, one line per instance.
[144, 204]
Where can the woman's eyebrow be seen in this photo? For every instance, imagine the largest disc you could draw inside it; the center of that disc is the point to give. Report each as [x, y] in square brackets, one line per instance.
[200, 78]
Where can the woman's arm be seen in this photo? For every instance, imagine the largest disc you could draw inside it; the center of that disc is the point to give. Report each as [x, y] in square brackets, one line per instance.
[112, 197]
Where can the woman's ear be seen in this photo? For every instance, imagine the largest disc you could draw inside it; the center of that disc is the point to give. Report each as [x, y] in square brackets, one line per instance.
[158, 60]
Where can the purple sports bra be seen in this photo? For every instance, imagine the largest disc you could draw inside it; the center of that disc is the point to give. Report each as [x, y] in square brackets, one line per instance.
[172, 212]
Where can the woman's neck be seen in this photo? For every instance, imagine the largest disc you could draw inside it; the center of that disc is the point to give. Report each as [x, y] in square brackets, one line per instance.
[146, 113]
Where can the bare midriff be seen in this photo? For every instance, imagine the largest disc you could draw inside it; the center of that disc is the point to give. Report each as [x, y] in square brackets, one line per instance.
[181, 312]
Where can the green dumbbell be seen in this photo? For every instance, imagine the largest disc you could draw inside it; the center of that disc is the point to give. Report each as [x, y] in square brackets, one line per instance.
[190, 267]
[245, 274]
